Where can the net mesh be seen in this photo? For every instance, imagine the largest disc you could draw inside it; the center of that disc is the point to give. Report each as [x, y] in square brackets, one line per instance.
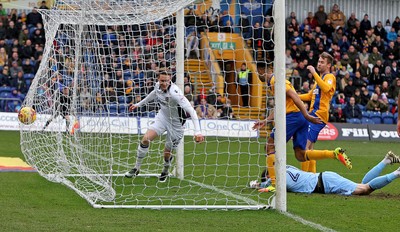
[101, 56]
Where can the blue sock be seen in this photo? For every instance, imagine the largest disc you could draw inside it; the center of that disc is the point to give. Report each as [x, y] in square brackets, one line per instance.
[382, 181]
[373, 173]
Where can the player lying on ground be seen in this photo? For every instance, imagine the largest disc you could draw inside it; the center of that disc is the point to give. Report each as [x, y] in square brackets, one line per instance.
[297, 119]
[171, 118]
[299, 181]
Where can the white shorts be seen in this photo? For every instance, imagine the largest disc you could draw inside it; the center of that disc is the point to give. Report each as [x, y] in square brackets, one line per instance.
[173, 127]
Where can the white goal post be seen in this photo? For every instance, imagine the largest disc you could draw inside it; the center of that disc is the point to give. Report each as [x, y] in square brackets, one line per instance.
[100, 56]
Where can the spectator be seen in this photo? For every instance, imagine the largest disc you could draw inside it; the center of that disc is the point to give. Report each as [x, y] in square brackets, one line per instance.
[344, 44]
[289, 62]
[356, 66]
[27, 50]
[320, 15]
[245, 27]
[33, 18]
[364, 56]
[268, 42]
[289, 20]
[395, 89]
[192, 44]
[382, 97]
[354, 37]
[396, 24]
[351, 110]
[3, 13]
[337, 35]
[43, 6]
[365, 96]
[15, 68]
[243, 78]
[302, 70]
[219, 105]
[379, 44]
[370, 37]
[351, 22]
[3, 57]
[225, 17]
[5, 79]
[328, 29]
[395, 70]
[23, 36]
[388, 75]
[11, 32]
[38, 38]
[374, 56]
[337, 17]
[365, 24]
[357, 96]
[375, 105]
[205, 110]
[13, 16]
[227, 111]
[390, 50]
[3, 30]
[19, 83]
[358, 81]
[388, 26]
[305, 88]
[350, 89]
[376, 77]
[380, 30]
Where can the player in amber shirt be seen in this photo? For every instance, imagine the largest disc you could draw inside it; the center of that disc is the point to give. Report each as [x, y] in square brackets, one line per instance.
[320, 96]
[297, 119]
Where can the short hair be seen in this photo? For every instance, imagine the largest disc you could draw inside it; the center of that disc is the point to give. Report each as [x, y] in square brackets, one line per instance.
[164, 73]
[327, 56]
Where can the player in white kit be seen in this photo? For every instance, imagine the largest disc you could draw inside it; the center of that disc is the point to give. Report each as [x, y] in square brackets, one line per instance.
[171, 117]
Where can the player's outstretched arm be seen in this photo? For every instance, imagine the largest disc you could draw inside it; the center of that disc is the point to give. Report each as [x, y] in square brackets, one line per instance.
[150, 97]
[296, 99]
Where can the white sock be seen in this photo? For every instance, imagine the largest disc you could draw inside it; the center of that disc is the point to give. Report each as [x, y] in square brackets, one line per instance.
[141, 153]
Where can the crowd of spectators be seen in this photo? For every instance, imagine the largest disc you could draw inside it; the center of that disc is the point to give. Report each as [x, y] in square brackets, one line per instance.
[119, 65]
[366, 59]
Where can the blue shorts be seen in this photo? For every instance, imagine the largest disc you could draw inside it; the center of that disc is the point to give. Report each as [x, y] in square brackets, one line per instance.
[314, 129]
[336, 184]
[296, 127]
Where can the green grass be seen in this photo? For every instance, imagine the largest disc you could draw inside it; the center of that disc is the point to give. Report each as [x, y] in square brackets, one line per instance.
[29, 202]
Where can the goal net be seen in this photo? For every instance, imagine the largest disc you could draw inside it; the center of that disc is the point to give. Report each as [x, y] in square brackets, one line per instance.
[102, 56]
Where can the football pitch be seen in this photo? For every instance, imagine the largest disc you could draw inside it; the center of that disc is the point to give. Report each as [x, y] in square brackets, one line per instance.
[29, 202]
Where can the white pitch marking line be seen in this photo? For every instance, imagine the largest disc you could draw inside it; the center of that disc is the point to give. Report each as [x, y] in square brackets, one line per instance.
[308, 223]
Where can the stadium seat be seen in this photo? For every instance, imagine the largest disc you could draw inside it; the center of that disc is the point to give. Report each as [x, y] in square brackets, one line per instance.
[29, 76]
[366, 114]
[5, 89]
[391, 101]
[371, 88]
[353, 120]
[376, 117]
[362, 108]
[122, 100]
[367, 121]
[387, 118]
[152, 114]
[113, 109]
[123, 109]
[395, 117]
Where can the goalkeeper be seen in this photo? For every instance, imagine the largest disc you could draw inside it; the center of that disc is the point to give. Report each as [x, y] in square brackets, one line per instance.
[299, 181]
[171, 117]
